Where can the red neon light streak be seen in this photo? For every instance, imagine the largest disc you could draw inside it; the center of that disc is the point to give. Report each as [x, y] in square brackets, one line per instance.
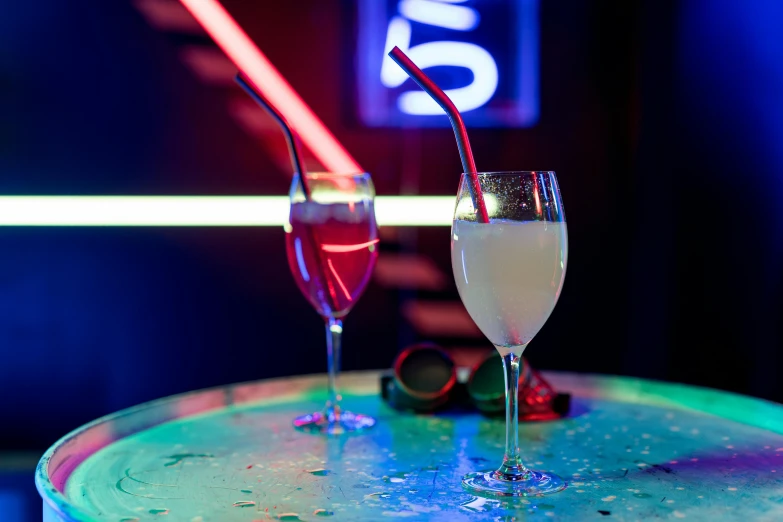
[250, 60]
[339, 281]
[348, 248]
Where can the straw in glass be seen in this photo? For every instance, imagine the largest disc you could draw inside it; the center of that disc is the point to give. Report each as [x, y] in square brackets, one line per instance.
[290, 137]
[460, 131]
[333, 356]
[296, 162]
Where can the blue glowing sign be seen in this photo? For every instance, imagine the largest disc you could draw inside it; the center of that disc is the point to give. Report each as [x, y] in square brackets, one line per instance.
[483, 53]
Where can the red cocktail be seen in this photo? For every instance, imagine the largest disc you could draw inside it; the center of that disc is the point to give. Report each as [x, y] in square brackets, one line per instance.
[332, 245]
[332, 249]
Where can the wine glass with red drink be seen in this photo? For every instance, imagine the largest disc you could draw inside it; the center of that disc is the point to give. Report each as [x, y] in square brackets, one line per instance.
[332, 246]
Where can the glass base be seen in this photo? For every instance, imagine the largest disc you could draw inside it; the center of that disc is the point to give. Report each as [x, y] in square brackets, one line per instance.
[531, 484]
[331, 424]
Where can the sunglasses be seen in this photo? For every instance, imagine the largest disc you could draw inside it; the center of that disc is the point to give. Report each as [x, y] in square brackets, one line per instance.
[424, 378]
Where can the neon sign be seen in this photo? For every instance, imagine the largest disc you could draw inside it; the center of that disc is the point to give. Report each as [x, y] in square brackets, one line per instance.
[483, 53]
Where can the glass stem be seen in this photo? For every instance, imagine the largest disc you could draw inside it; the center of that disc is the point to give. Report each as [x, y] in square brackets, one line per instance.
[512, 468]
[334, 331]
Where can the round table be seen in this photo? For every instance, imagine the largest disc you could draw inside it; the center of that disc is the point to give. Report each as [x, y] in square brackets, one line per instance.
[631, 449]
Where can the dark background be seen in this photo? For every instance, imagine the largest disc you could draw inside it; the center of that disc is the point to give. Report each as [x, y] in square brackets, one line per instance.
[663, 120]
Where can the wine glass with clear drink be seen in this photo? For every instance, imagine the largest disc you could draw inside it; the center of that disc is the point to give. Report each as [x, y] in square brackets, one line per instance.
[332, 245]
[509, 273]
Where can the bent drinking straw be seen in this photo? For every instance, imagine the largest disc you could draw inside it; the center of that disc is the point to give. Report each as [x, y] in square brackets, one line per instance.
[460, 132]
[290, 137]
[299, 169]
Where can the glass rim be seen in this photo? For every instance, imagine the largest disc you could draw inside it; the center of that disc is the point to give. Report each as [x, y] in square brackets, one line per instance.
[509, 172]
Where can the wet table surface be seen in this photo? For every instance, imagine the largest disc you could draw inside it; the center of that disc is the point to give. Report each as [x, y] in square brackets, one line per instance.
[631, 450]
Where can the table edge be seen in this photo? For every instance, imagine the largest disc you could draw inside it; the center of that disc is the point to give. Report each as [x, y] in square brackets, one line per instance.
[98, 433]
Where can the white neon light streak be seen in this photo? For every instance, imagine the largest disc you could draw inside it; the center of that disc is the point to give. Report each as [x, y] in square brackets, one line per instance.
[200, 211]
[490, 202]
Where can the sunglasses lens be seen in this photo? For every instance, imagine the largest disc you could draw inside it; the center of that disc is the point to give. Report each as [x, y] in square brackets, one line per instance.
[426, 371]
[423, 378]
[487, 386]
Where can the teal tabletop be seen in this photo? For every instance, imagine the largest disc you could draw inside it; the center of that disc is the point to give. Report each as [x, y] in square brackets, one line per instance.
[630, 450]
